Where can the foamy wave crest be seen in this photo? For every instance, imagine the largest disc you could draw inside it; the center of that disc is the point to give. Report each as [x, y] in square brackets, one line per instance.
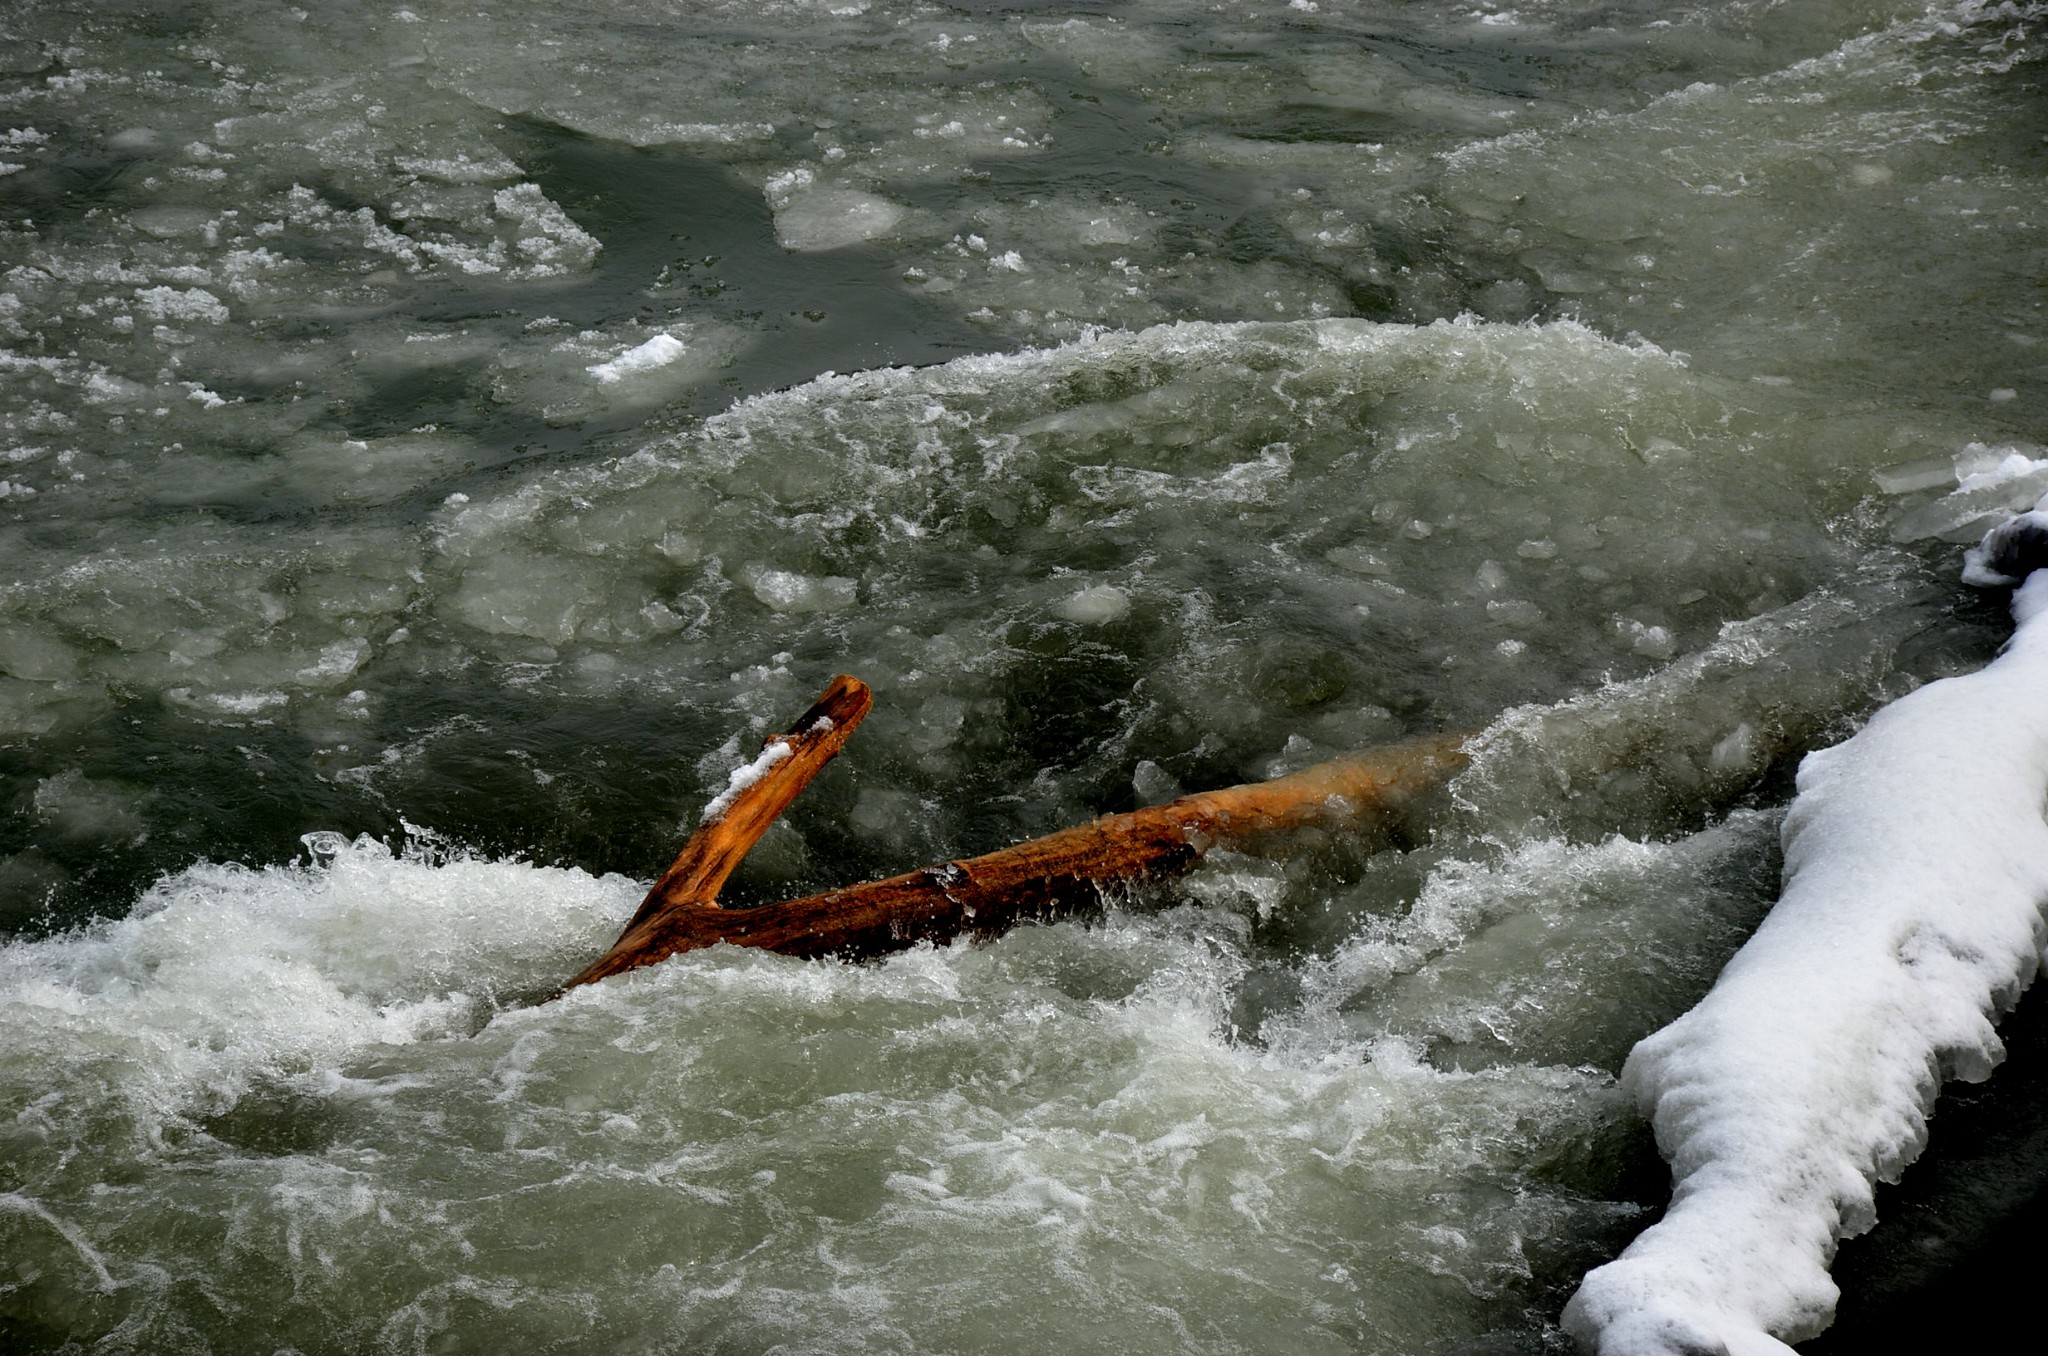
[226, 974]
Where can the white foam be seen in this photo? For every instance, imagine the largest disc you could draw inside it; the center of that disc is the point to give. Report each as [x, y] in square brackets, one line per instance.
[1916, 866]
[223, 975]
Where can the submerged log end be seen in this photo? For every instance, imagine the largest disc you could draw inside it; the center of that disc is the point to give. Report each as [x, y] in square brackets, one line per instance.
[679, 927]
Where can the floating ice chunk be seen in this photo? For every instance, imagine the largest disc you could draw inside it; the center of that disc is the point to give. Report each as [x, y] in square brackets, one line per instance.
[696, 133]
[1911, 913]
[1154, 784]
[1737, 752]
[810, 216]
[335, 662]
[1295, 755]
[1357, 560]
[1983, 468]
[1922, 473]
[227, 703]
[1514, 612]
[574, 375]
[550, 240]
[788, 591]
[1095, 607]
[1990, 482]
[1107, 231]
[659, 351]
[460, 168]
[513, 595]
[171, 304]
[892, 817]
[743, 777]
[36, 656]
[1652, 642]
[79, 807]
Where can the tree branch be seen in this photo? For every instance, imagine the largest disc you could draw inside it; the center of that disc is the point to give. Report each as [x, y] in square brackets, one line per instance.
[1043, 878]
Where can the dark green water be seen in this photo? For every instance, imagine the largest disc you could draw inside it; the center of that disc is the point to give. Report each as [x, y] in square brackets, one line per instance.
[470, 426]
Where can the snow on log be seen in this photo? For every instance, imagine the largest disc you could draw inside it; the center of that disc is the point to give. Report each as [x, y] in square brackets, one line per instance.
[1916, 870]
[754, 795]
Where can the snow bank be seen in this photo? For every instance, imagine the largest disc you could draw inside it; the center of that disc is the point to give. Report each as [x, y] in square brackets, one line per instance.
[1916, 867]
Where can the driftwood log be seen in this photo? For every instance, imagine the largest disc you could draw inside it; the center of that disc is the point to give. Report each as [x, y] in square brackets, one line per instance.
[1045, 878]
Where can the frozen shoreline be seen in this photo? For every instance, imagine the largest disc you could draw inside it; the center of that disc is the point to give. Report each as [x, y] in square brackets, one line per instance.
[1911, 916]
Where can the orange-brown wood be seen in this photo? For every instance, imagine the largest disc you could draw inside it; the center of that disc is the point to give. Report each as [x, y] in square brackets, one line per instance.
[1040, 879]
[729, 831]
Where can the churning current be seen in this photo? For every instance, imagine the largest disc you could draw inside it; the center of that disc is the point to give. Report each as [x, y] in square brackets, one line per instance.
[438, 439]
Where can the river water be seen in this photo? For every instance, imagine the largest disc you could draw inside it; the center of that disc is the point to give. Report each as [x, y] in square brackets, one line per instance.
[437, 440]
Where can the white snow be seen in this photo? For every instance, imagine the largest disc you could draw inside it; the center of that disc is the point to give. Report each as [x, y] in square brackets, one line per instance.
[1916, 868]
[744, 777]
[1998, 561]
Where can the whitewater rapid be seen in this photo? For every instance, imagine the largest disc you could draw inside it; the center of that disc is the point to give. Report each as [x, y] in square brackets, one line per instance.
[438, 441]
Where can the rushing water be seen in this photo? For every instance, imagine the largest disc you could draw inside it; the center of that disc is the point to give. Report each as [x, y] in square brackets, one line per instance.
[436, 440]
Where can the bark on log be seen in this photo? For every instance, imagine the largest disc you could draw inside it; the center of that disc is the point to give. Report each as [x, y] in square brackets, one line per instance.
[736, 820]
[1044, 878]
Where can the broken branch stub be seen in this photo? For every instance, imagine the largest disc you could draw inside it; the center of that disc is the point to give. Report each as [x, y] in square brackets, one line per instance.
[756, 795]
[1044, 878]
